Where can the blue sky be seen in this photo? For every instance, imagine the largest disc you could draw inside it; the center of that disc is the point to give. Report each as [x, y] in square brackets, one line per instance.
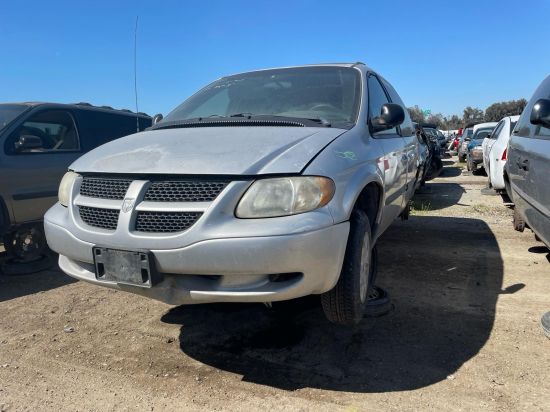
[440, 55]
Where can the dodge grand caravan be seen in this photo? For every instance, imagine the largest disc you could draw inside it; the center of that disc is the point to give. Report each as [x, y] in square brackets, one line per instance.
[261, 187]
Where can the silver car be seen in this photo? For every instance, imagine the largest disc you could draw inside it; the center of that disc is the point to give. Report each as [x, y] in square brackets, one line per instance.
[261, 187]
[528, 165]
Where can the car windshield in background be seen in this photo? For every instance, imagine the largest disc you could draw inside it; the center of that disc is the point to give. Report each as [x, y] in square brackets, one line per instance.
[482, 133]
[331, 94]
[8, 112]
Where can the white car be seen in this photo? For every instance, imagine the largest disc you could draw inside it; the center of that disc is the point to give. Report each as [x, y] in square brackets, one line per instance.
[495, 151]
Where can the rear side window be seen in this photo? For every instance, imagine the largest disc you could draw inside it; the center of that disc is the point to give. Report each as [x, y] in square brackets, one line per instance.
[377, 98]
[99, 127]
[44, 132]
[498, 129]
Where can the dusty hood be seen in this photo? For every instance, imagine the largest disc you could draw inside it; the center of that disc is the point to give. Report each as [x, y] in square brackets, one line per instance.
[210, 150]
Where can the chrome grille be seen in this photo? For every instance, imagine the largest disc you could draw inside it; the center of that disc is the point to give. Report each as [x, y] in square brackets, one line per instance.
[104, 188]
[97, 217]
[184, 191]
[165, 222]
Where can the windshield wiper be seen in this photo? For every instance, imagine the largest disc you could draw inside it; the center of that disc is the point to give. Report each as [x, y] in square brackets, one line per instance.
[215, 118]
[322, 121]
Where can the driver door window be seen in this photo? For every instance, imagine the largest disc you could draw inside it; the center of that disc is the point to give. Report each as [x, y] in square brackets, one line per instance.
[45, 132]
[378, 97]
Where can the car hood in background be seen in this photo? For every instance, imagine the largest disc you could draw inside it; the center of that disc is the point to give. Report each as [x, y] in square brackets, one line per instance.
[210, 150]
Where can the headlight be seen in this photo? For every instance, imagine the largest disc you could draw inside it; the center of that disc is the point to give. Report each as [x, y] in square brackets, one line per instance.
[285, 196]
[65, 187]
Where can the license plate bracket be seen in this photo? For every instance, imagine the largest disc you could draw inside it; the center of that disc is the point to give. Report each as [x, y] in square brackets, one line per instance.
[136, 268]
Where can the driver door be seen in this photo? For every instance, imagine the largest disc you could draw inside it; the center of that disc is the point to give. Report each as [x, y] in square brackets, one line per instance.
[36, 155]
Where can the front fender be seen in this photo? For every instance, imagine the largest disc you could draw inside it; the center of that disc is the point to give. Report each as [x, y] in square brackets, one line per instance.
[352, 161]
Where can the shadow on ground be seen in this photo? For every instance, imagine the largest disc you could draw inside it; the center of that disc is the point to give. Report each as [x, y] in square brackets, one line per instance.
[444, 296]
[449, 170]
[15, 286]
[435, 196]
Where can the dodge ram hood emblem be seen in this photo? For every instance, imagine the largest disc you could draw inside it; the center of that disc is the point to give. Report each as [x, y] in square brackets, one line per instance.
[128, 204]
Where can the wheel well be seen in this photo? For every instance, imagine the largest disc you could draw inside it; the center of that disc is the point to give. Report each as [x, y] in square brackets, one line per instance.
[369, 201]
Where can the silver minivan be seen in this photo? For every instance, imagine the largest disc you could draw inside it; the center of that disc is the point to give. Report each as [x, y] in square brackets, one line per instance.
[261, 187]
[528, 165]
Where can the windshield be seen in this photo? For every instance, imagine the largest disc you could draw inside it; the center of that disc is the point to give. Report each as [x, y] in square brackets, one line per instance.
[483, 133]
[328, 93]
[8, 112]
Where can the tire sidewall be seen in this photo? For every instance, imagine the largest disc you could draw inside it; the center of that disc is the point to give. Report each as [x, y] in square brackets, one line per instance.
[360, 233]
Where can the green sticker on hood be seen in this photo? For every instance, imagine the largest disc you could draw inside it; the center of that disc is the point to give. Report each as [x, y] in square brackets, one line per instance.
[348, 154]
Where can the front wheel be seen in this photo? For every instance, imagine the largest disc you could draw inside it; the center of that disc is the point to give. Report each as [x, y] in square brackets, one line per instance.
[345, 304]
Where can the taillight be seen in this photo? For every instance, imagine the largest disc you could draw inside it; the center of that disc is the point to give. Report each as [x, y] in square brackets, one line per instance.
[504, 154]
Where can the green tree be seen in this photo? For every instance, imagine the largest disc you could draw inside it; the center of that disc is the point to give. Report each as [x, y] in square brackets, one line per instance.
[437, 120]
[454, 122]
[497, 111]
[416, 113]
[473, 115]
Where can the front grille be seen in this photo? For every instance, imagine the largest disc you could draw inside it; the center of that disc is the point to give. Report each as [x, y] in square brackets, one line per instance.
[102, 218]
[165, 222]
[104, 188]
[184, 191]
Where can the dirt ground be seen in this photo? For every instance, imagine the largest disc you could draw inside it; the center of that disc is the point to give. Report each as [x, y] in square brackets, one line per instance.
[468, 293]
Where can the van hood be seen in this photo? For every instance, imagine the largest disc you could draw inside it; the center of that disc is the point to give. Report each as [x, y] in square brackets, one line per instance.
[210, 151]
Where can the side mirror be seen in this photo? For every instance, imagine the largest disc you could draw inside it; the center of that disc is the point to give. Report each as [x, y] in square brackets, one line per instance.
[157, 118]
[391, 115]
[28, 142]
[467, 139]
[540, 115]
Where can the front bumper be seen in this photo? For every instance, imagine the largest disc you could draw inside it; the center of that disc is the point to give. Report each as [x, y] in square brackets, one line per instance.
[237, 269]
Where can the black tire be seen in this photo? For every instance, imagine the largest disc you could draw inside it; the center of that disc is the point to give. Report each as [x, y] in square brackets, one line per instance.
[345, 303]
[15, 267]
[373, 274]
[379, 303]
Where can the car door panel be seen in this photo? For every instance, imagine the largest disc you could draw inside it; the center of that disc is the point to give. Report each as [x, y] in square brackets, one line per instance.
[535, 163]
[528, 167]
[395, 161]
[32, 176]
